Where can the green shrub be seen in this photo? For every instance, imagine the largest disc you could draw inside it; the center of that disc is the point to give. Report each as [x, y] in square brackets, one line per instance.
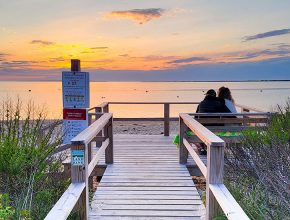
[28, 166]
[258, 169]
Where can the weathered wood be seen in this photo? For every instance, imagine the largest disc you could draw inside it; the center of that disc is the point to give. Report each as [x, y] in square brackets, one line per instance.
[215, 173]
[140, 176]
[227, 202]
[249, 108]
[89, 133]
[153, 103]
[79, 174]
[148, 213]
[109, 150]
[75, 65]
[166, 119]
[202, 132]
[244, 120]
[183, 153]
[97, 157]
[67, 202]
[195, 157]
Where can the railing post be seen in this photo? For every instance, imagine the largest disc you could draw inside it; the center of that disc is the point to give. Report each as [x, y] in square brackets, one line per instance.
[245, 110]
[106, 108]
[183, 153]
[109, 154]
[90, 144]
[80, 174]
[98, 110]
[215, 175]
[166, 119]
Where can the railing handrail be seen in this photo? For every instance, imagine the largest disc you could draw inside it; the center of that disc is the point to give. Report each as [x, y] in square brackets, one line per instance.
[232, 114]
[152, 103]
[173, 103]
[66, 203]
[202, 132]
[78, 189]
[248, 108]
[216, 191]
[90, 132]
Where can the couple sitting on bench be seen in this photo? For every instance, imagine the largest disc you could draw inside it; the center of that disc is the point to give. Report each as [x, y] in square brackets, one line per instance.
[223, 103]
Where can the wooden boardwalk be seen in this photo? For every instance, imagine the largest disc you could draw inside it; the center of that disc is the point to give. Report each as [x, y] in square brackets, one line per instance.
[146, 181]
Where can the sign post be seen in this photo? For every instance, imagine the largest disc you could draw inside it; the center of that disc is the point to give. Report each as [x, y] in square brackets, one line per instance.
[76, 100]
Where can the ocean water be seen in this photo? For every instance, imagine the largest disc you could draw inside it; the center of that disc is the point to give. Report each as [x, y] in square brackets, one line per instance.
[48, 95]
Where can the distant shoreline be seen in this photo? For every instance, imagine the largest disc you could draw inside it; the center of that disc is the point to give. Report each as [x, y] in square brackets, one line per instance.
[278, 80]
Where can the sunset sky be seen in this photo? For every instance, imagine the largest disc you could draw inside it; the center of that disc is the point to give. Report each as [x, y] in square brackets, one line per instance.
[146, 40]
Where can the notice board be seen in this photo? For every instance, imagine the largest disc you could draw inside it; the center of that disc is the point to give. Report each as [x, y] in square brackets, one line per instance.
[76, 89]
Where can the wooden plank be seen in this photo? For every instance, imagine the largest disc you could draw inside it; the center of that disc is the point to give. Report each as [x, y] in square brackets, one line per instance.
[195, 157]
[142, 177]
[147, 213]
[149, 201]
[148, 192]
[147, 184]
[142, 218]
[227, 202]
[149, 207]
[64, 206]
[159, 189]
[131, 180]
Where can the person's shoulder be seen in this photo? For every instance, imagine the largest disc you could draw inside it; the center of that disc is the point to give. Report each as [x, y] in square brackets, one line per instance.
[220, 100]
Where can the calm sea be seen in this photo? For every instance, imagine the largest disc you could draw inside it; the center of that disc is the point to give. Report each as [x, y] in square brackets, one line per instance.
[262, 95]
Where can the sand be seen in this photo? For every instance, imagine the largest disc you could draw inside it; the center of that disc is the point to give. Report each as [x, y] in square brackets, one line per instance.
[144, 128]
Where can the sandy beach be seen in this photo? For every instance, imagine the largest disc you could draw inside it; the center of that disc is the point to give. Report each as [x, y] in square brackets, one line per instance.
[144, 128]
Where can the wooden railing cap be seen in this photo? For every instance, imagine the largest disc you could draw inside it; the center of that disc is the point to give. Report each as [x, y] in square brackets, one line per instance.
[89, 133]
[202, 132]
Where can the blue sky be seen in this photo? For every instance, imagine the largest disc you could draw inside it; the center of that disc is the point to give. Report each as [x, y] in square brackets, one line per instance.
[146, 40]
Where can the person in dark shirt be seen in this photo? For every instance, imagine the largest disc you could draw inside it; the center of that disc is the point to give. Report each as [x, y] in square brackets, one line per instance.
[210, 104]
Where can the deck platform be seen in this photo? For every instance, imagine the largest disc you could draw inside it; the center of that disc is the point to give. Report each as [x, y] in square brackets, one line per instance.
[146, 181]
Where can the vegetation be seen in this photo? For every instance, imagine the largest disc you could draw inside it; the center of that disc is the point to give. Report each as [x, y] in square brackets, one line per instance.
[30, 180]
[258, 170]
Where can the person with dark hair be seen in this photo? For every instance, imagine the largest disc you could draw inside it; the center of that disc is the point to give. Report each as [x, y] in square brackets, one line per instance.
[212, 104]
[225, 93]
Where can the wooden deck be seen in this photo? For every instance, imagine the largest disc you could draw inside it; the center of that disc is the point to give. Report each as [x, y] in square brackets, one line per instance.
[146, 181]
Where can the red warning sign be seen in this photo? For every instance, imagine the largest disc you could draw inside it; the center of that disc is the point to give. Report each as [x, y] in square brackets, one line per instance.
[74, 114]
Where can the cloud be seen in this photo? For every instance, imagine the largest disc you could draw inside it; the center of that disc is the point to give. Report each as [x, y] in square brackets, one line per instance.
[18, 64]
[57, 59]
[283, 50]
[140, 16]
[42, 42]
[188, 60]
[267, 34]
[99, 48]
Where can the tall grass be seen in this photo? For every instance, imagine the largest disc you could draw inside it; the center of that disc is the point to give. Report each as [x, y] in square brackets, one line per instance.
[258, 170]
[29, 172]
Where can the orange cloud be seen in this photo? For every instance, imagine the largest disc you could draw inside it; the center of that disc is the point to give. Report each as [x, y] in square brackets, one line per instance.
[140, 16]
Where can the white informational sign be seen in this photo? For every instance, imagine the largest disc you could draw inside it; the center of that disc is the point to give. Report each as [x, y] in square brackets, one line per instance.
[75, 121]
[76, 89]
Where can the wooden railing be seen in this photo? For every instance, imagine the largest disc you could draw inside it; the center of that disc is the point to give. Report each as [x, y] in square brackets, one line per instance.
[76, 196]
[104, 107]
[217, 195]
